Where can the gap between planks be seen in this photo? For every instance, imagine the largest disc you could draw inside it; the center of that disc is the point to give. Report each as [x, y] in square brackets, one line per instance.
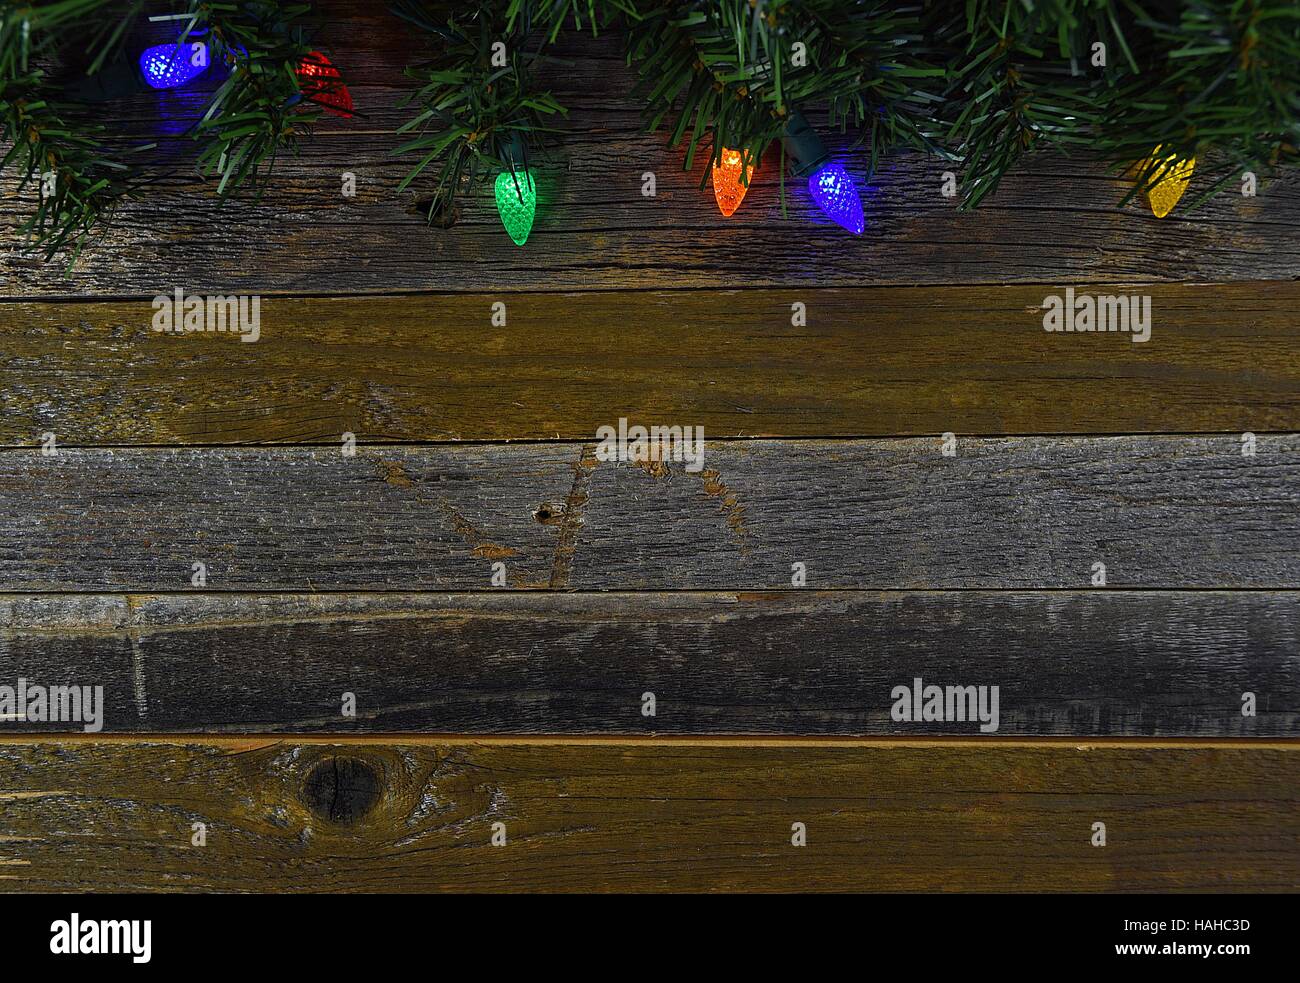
[239, 744]
[380, 445]
[452, 293]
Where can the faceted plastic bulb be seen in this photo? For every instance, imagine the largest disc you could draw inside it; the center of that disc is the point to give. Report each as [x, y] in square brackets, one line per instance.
[169, 66]
[837, 196]
[728, 187]
[321, 84]
[517, 203]
[1172, 176]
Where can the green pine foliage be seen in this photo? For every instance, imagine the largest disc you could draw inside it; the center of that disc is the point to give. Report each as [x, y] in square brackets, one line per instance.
[53, 146]
[476, 98]
[1219, 81]
[729, 74]
[259, 110]
[72, 169]
[1221, 77]
[979, 83]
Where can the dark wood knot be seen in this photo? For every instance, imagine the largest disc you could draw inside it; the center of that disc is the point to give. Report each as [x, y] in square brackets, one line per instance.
[341, 790]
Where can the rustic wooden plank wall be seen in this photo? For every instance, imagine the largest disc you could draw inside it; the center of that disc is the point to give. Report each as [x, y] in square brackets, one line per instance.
[370, 575]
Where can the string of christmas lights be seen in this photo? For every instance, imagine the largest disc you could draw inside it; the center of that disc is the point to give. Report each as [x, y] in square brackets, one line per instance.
[730, 73]
[175, 65]
[977, 89]
[169, 66]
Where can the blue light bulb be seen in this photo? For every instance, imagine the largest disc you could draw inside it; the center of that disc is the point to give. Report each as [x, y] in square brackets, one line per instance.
[837, 196]
[169, 66]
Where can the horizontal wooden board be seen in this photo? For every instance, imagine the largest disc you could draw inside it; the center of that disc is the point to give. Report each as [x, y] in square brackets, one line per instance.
[1222, 357]
[1052, 218]
[406, 815]
[1094, 663]
[1021, 512]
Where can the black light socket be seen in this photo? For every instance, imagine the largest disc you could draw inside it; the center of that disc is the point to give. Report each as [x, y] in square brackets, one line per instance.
[515, 151]
[803, 146]
[116, 80]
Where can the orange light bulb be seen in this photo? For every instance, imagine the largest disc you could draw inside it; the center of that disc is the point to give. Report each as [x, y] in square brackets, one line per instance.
[728, 187]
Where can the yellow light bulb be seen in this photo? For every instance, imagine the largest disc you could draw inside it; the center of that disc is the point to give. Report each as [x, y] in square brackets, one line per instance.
[727, 185]
[1170, 180]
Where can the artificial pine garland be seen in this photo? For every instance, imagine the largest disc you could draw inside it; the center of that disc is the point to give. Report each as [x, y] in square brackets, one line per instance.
[478, 104]
[1150, 87]
[39, 140]
[264, 105]
[54, 71]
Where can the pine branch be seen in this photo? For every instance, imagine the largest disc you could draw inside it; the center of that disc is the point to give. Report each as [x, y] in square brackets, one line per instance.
[732, 72]
[77, 179]
[1021, 77]
[474, 100]
[1214, 77]
[1223, 86]
[549, 16]
[260, 109]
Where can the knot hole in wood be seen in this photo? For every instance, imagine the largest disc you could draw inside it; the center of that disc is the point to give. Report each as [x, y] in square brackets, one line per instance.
[341, 790]
[437, 213]
[549, 514]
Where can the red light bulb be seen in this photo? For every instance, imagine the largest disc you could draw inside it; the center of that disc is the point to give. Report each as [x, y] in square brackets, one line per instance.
[321, 85]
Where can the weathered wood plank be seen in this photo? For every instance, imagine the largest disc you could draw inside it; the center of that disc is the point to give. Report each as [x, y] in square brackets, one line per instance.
[408, 815]
[1053, 218]
[1021, 512]
[1085, 664]
[868, 361]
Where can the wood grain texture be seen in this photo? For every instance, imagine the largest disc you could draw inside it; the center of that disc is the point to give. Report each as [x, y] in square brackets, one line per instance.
[1053, 218]
[1020, 512]
[1222, 357]
[1084, 664]
[404, 815]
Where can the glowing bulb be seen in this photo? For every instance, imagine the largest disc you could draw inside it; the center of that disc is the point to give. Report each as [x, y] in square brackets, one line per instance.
[517, 203]
[1169, 180]
[727, 185]
[322, 85]
[169, 66]
[835, 194]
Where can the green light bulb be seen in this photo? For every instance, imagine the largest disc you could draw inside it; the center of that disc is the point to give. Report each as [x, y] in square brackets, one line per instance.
[517, 203]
